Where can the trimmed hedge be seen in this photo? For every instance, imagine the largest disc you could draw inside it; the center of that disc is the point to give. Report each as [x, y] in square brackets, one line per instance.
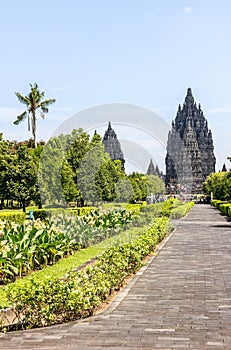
[83, 210]
[17, 217]
[223, 206]
[44, 214]
[45, 302]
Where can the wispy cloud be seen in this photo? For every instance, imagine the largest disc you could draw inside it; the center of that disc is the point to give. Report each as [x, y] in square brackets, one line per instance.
[188, 9]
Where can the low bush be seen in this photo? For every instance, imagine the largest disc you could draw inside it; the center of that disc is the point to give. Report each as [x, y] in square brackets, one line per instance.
[17, 217]
[83, 210]
[223, 206]
[45, 214]
[168, 206]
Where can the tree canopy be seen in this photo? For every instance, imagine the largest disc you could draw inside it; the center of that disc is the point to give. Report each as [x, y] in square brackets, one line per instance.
[68, 168]
[219, 184]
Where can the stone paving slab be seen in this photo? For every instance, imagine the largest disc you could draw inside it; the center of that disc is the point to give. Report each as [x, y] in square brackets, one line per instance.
[182, 300]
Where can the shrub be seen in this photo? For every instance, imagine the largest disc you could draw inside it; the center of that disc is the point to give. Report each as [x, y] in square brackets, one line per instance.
[223, 206]
[17, 217]
[168, 206]
[45, 214]
[83, 210]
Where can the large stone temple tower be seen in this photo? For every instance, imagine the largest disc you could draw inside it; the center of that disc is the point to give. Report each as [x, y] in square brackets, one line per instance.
[112, 145]
[190, 157]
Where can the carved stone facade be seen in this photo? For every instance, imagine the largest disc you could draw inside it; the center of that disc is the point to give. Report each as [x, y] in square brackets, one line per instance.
[190, 152]
[112, 145]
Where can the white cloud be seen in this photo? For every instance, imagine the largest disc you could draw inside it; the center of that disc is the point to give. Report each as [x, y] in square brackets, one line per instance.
[188, 9]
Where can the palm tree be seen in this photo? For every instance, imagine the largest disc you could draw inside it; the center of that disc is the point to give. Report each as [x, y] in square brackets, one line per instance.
[34, 101]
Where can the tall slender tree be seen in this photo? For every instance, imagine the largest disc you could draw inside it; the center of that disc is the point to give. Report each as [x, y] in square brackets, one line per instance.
[34, 101]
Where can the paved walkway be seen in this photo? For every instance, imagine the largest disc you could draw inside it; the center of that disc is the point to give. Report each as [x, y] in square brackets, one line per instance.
[182, 300]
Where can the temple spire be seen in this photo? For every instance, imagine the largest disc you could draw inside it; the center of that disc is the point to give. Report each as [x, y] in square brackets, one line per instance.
[189, 92]
[189, 99]
[112, 145]
[151, 168]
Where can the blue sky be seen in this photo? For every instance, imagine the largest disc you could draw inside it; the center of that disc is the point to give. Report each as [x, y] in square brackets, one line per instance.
[146, 53]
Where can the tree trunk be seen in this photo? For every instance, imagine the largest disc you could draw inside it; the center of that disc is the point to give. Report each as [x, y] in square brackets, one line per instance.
[24, 207]
[34, 128]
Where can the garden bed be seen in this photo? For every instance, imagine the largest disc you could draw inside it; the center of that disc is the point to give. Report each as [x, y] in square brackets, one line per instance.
[49, 298]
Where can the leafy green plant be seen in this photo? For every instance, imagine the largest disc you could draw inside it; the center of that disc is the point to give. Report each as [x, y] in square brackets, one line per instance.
[26, 248]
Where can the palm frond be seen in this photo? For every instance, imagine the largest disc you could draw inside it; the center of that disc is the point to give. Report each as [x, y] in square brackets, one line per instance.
[20, 118]
[46, 103]
[23, 99]
[44, 110]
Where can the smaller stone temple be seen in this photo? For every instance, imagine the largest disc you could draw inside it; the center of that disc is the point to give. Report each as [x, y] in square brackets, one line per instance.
[112, 145]
[154, 170]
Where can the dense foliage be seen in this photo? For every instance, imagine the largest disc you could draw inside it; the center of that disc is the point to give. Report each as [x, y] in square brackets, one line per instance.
[144, 185]
[219, 184]
[18, 173]
[68, 169]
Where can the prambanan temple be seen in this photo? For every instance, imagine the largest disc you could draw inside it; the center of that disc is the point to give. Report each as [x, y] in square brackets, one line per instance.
[112, 145]
[190, 156]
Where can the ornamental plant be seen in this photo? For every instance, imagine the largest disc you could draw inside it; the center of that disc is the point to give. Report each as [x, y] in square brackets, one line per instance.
[24, 248]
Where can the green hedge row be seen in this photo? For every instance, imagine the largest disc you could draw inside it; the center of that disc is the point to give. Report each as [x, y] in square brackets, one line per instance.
[17, 217]
[83, 210]
[223, 206]
[45, 302]
[43, 214]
